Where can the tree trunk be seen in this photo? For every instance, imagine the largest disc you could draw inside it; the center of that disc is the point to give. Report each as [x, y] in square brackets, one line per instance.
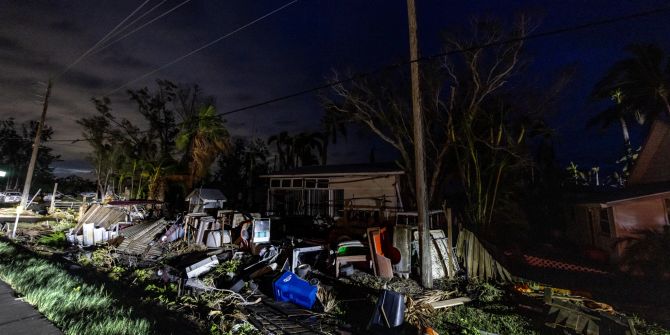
[626, 134]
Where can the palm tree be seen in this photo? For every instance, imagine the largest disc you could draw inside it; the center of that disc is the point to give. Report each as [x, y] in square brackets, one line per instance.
[643, 78]
[620, 113]
[332, 124]
[308, 147]
[204, 137]
[284, 143]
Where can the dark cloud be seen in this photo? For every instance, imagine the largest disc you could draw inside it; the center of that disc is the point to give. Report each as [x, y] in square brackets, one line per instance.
[8, 43]
[243, 97]
[65, 26]
[87, 80]
[122, 62]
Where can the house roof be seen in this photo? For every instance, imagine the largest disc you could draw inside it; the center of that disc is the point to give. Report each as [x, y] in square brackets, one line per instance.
[653, 162]
[340, 170]
[206, 194]
[612, 196]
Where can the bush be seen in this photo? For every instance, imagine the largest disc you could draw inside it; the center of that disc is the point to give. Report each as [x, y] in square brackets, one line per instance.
[54, 240]
[492, 318]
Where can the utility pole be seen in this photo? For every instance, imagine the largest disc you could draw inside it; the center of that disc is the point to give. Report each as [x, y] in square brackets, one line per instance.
[419, 154]
[36, 147]
[33, 160]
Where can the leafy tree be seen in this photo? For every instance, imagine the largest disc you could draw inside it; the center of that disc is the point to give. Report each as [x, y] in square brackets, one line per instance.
[74, 185]
[157, 109]
[16, 142]
[239, 171]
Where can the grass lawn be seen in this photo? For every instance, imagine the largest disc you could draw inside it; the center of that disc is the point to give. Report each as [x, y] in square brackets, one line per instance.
[72, 305]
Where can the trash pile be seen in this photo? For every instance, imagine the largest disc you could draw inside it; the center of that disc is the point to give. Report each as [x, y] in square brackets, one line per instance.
[244, 266]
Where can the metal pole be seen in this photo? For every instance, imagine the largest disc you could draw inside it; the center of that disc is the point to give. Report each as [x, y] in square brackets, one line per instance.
[419, 154]
[52, 208]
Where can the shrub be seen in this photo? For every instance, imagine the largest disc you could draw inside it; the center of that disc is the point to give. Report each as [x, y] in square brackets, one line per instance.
[54, 240]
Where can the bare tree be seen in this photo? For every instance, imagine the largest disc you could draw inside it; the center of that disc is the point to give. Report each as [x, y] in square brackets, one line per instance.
[476, 123]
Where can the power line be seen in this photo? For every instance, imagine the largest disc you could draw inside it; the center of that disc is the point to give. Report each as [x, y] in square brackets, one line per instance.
[131, 23]
[442, 54]
[102, 40]
[202, 47]
[453, 52]
[142, 26]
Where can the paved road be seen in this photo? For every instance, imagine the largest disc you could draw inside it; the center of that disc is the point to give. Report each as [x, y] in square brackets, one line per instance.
[18, 317]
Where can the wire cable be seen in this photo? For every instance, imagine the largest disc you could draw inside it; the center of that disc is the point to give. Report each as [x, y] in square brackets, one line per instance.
[362, 75]
[130, 24]
[452, 52]
[140, 27]
[202, 47]
[102, 40]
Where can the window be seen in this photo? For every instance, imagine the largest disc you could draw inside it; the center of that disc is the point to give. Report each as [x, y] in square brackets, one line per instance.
[286, 183]
[322, 183]
[297, 182]
[274, 183]
[310, 183]
[604, 221]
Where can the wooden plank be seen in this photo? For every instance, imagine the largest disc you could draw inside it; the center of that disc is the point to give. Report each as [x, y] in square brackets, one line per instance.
[450, 302]
[488, 266]
[440, 250]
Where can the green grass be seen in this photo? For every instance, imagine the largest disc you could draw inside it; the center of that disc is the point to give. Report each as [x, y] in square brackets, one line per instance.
[493, 318]
[75, 307]
[55, 240]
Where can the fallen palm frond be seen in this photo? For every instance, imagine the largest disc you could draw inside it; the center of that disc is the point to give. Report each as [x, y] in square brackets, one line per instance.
[328, 299]
[418, 310]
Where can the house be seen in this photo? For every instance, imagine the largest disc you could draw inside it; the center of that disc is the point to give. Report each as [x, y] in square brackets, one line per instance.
[653, 162]
[201, 199]
[607, 220]
[327, 190]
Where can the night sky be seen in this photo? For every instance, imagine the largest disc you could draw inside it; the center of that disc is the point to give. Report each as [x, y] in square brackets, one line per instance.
[292, 50]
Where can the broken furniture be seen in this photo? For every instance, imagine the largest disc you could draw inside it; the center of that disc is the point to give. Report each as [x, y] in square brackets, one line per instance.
[343, 260]
[380, 247]
[306, 255]
[201, 267]
[203, 229]
[289, 287]
[349, 252]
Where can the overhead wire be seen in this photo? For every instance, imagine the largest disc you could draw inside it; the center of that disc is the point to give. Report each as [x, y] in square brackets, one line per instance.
[102, 40]
[205, 46]
[433, 56]
[130, 24]
[141, 26]
[452, 52]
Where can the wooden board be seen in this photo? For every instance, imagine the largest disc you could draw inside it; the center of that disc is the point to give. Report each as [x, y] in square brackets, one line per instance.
[450, 302]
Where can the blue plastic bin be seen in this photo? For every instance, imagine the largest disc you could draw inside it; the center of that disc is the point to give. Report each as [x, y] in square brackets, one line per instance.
[289, 287]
